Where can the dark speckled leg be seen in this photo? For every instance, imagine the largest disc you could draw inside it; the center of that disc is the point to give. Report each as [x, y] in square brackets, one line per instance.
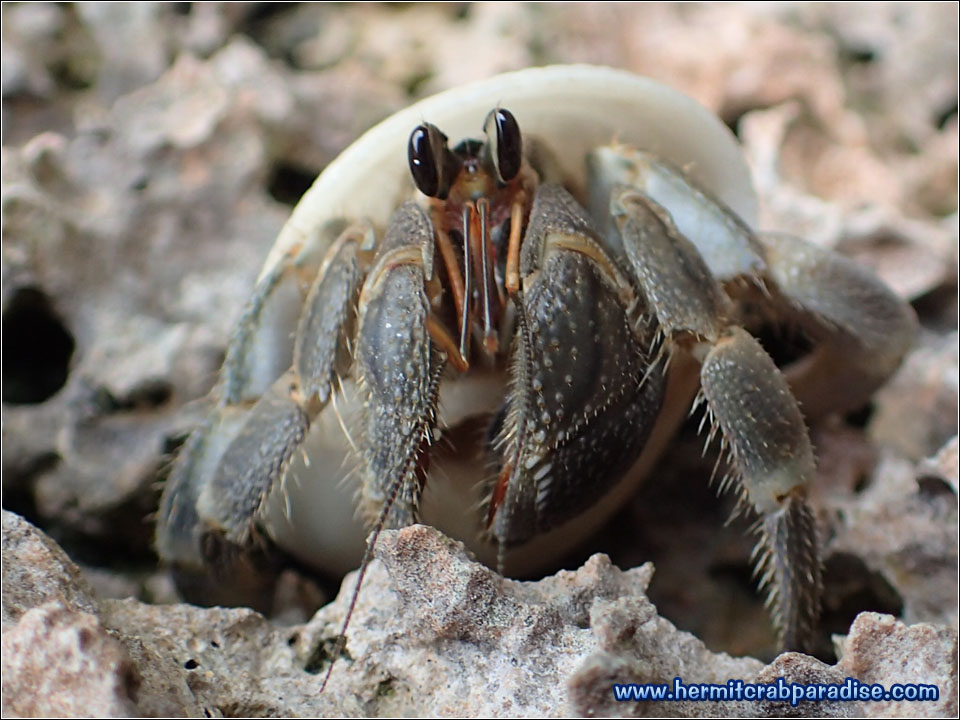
[747, 398]
[399, 370]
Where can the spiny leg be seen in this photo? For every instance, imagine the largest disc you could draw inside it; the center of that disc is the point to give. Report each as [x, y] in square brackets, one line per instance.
[399, 371]
[265, 440]
[207, 571]
[260, 350]
[276, 426]
[861, 328]
[256, 356]
[214, 498]
[747, 397]
[772, 460]
[399, 368]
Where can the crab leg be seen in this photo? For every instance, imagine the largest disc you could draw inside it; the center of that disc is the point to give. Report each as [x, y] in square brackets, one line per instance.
[219, 483]
[772, 459]
[861, 327]
[256, 357]
[399, 370]
[321, 348]
[746, 396]
[260, 351]
[277, 424]
[722, 239]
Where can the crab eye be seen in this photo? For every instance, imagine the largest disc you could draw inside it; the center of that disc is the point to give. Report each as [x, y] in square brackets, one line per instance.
[426, 156]
[503, 141]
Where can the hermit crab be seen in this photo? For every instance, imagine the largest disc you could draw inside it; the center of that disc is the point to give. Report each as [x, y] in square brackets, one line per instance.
[499, 334]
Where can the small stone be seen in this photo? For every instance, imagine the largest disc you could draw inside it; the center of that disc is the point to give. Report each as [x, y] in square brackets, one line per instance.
[36, 571]
[59, 662]
[881, 649]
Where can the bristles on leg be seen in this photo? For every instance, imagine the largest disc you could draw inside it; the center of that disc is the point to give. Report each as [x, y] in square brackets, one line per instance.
[789, 569]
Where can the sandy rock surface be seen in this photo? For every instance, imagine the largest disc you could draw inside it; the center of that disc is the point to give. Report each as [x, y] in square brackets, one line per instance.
[433, 634]
[151, 154]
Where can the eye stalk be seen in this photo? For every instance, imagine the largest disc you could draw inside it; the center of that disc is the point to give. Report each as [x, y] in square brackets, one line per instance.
[504, 144]
[432, 165]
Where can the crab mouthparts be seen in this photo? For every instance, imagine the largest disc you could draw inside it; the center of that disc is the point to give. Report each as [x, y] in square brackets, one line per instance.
[478, 267]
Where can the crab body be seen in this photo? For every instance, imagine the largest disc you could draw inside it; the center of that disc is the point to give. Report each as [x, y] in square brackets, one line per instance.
[503, 345]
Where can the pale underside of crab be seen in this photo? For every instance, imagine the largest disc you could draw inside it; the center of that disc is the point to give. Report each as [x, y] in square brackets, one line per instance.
[500, 337]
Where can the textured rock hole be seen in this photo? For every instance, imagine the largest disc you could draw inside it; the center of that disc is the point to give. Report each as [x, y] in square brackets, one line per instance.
[932, 486]
[732, 117]
[267, 11]
[948, 113]
[288, 182]
[173, 443]
[415, 83]
[191, 664]
[857, 55]
[322, 654]
[84, 638]
[131, 681]
[732, 114]
[78, 62]
[860, 417]
[18, 485]
[937, 309]
[850, 588]
[267, 25]
[385, 688]
[68, 76]
[37, 348]
[862, 483]
[147, 395]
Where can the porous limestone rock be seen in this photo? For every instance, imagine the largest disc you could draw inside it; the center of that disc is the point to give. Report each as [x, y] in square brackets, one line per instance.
[433, 633]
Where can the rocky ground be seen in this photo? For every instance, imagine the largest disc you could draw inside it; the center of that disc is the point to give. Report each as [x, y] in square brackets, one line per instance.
[151, 153]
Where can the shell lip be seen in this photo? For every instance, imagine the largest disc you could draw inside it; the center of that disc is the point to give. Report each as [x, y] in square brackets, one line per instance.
[570, 107]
